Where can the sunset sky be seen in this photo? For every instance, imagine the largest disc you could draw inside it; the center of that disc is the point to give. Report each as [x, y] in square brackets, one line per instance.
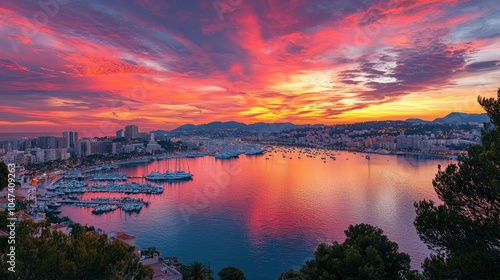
[97, 66]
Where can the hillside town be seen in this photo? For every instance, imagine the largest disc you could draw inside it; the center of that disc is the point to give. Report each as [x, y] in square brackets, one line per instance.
[384, 137]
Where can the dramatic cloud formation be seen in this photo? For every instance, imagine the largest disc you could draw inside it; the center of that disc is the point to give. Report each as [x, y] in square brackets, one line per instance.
[96, 66]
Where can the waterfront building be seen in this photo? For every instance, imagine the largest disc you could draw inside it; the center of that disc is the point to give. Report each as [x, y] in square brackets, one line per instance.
[28, 192]
[39, 217]
[29, 159]
[161, 270]
[83, 147]
[61, 228]
[116, 148]
[126, 239]
[40, 155]
[133, 147]
[131, 131]
[50, 154]
[62, 154]
[101, 146]
[153, 147]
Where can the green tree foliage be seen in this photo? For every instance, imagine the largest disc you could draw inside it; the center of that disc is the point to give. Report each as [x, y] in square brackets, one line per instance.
[150, 252]
[464, 231]
[231, 273]
[3, 221]
[23, 205]
[4, 173]
[41, 254]
[290, 275]
[196, 271]
[3, 226]
[365, 254]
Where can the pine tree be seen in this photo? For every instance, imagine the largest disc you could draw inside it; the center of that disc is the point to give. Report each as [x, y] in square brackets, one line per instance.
[464, 231]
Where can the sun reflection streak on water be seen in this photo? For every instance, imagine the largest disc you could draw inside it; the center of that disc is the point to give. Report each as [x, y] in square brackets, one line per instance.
[273, 214]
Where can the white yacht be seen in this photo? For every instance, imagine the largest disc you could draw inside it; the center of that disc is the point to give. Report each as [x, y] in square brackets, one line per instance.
[109, 177]
[228, 154]
[176, 175]
[169, 176]
[254, 151]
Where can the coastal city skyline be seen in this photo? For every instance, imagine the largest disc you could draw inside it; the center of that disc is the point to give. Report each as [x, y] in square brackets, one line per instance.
[307, 62]
[249, 139]
[114, 130]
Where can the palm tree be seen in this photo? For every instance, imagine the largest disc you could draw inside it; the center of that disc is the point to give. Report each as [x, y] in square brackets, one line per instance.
[152, 251]
[196, 271]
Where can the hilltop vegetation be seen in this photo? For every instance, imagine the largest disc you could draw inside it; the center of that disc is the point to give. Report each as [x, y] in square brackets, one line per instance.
[42, 254]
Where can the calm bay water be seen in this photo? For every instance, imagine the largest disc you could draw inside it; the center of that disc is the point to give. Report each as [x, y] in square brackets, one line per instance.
[267, 216]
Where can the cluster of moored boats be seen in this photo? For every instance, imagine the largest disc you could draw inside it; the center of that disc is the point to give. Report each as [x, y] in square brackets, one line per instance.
[128, 188]
[129, 207]
[70, 187]
[73, 175]
[181, 155]
[109, 177]
[127, 204]
[100, 209]
[79, 187]
[169, 176]
[311, 153]
[307, 152]
[236, 151]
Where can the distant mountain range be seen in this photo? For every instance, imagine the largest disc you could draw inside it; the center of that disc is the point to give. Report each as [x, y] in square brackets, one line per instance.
[257, 127]
[452, 118]
[455, 118]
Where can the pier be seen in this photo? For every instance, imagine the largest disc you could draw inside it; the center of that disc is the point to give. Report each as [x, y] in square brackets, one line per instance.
[91, 202]
[99, 202]
[101, 205]
[427, 156]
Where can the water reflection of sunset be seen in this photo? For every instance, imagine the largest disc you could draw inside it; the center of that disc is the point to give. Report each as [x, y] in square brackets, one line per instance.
[257, 207]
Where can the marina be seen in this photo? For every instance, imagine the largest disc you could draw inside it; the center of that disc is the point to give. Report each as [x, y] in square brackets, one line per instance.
[186, 199]
[101, 204]
[270, 208]
[75, 187]
[256, 140]
[109, 177]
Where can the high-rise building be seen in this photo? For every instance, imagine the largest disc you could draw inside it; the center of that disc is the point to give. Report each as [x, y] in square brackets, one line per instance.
[131, 131]
[143, 135]
[49, 154]
[40, 155]
[101, 146]
[61, 143]
[83, 147]
[119, 133]
[117, 148]
[47, 142]
[71, 138]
